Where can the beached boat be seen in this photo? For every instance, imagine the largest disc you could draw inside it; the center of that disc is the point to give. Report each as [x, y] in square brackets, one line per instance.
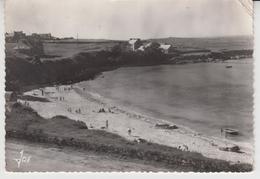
[166, 126]
[230, 131]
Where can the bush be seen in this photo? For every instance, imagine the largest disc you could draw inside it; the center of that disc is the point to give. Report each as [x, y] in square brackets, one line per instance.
[81, 125]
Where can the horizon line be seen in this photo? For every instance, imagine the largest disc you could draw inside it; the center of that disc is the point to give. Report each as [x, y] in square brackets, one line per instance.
[195, 37]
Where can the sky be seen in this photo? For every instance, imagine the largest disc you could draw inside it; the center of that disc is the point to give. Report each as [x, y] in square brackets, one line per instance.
[123, 19]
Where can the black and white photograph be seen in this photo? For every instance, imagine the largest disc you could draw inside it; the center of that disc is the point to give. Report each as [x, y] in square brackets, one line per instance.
[129, 86]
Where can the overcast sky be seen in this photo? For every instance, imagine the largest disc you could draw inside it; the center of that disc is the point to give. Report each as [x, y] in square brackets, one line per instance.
[122, 19]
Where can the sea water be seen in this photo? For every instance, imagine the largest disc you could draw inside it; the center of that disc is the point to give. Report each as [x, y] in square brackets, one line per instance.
[204, 96]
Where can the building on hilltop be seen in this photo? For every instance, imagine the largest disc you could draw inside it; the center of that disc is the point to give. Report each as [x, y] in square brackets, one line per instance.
[23, 45]
[144, 46]
[14, 36]
[18, 35]
[135, 43]
[165, 47]
[46, 36]
[9, 37]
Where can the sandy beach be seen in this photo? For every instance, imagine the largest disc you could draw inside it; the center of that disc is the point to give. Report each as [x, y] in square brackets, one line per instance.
[98, 112]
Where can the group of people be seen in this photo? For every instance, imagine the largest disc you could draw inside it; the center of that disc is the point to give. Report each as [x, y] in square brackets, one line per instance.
[103, 110]
[77, 110]
[65, 88]
[26, 103]
[129, 130]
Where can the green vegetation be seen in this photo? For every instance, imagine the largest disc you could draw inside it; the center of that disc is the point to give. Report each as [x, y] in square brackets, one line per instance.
[24, 123]
[22, 72]
[74, 62]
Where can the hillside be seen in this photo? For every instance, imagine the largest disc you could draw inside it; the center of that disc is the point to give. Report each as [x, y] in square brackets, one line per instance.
[24, 123]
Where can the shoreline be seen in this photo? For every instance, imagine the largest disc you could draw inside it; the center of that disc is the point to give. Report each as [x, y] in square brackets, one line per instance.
[62, 132]
[120, 120]
[241, 138]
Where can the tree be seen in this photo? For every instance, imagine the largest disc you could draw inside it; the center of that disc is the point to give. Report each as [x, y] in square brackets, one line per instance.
[116, 50]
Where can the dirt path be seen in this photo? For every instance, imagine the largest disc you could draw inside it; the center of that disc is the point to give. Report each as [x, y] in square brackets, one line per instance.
[50, 158]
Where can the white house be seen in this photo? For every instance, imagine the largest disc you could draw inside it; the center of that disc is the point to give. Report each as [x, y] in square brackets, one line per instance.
[148, 44]
[165, 47]
[144, 46]
[141, 48]
[133, 42]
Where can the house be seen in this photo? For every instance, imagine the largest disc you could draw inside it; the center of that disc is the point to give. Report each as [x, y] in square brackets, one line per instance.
[18, 35]
[135, 43]
[23, 45]
[14, 36]
[148, 44]
[167, 48]
[141, 48]
[9, 37]
[46, 36]
[144, 46]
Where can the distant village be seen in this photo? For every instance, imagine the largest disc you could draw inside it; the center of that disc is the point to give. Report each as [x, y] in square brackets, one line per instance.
[18, 35]
[27, 42]
[33, 45]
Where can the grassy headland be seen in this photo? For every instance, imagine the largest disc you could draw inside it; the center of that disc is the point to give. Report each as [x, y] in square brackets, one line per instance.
[24, 123]
[27, 71]
[23, 72]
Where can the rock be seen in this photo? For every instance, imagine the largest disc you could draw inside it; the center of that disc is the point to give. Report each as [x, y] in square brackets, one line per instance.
[235, 149]
[140, 140]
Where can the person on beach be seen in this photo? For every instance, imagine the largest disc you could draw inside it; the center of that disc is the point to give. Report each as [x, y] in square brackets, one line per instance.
[42, 92]
[107, 124]
[129, 131]
[26, 104]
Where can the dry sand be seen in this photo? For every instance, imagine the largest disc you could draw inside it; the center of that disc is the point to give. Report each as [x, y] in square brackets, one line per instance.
[121, 119]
